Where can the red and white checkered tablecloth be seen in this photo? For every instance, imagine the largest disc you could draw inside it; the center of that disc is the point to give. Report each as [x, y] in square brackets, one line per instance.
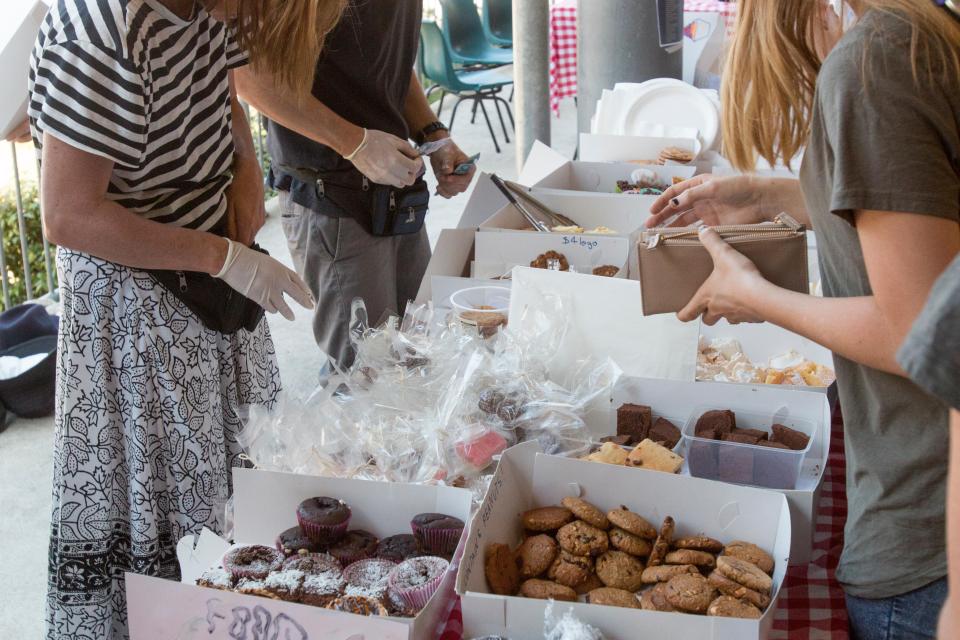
[563, 42]
[811, 604]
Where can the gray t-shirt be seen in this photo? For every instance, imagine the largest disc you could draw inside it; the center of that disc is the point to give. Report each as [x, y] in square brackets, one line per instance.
[879, 143]
[931, 352]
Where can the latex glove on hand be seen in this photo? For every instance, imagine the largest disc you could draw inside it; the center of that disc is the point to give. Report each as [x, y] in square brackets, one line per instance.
[444, 161]
[386, 159]
[263, 279]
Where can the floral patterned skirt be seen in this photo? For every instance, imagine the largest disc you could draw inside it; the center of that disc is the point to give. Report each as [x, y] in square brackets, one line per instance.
[145, 436]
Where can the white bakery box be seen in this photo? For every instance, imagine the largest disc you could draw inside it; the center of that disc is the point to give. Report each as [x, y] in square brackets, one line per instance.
[265, 504]
[526, 479]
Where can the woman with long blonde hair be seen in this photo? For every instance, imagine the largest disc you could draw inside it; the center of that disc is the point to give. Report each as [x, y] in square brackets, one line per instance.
[875, 108]
[153, 193]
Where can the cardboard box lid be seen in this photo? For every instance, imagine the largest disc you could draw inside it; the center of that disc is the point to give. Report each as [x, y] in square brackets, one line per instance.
[525, 479]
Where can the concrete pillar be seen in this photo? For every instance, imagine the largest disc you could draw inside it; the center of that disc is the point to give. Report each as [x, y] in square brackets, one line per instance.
[617, 41]
[531, 74]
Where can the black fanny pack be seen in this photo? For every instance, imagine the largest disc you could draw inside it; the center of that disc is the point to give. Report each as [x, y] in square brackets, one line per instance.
[381, 209]
[219, 306]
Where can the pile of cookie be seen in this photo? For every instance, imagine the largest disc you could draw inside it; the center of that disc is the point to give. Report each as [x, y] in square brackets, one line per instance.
[620, 559]
[556, 261]
[321, 562]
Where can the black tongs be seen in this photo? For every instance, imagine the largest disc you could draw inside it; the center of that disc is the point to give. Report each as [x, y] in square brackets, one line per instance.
[512, 191]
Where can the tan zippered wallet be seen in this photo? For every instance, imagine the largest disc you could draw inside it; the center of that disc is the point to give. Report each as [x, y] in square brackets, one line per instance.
[674, 264]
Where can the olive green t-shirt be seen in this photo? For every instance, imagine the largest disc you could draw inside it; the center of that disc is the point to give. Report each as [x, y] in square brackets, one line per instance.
[878, 142]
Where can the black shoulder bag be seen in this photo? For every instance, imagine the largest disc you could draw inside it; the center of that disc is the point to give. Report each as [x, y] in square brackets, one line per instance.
[219, 306]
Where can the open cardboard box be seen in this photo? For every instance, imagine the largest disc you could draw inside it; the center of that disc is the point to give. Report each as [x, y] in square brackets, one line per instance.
[265, 504]
[526, 479]
[676, 400]
[609, 147]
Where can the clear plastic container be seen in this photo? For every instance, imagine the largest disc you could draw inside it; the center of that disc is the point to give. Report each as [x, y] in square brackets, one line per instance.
[486, 308]
[747, 464]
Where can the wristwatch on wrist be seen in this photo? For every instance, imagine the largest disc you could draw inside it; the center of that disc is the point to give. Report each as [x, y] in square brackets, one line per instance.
[433, 127]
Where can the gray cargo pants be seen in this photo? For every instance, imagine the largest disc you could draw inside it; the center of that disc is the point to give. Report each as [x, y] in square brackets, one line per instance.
[340, 261]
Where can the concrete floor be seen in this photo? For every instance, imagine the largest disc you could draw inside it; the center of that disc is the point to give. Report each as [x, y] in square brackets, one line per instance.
[26, 445]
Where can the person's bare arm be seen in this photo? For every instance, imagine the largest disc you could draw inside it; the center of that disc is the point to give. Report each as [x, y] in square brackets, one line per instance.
[904, 255]
[77, 215]
[417, 111]
[246, 212]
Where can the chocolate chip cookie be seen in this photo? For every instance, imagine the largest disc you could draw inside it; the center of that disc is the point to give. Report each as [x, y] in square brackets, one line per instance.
[546, 590]
[592, 582]
[629, 543]
[546, 518]
[745, 573]
[751, 553]
[690, 592]
[613, 598]
[500, 568]
[582, 539]
[729, 607]
[665, 572]
[655, 599]
[699, 542]
[631, 523]
[662, 545]
[620, 570]
[535, 555]
[728, 587]
[689, 556]
[570, 570]
[587, 512]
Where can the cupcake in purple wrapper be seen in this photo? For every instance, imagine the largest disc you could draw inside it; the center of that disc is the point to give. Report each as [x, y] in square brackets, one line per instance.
[355, 545]
[436, 533]
[414, 581]
[323, 519]
[398, 548]
[368, 578]
[254, 561]
[295, 541]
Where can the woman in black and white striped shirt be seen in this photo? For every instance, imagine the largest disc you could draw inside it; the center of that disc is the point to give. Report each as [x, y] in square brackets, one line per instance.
[133, 110]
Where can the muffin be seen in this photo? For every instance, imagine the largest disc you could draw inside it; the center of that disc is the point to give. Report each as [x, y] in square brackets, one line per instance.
[294, 541]
[415, 581]
[323, 519]
[368, 578]
[253, 561]
[436, 533]
[355, 545]
[398, 548]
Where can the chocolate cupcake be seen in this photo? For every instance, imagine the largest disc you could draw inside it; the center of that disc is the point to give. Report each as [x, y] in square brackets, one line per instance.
[398, 548]
[415, 581]
[321, 589]
[285, 585]
[312, 563]
[294, 541]
[436, 533]
[368, 578]
[323, 519]
[359, 605]
[253, 561]
[356, 545]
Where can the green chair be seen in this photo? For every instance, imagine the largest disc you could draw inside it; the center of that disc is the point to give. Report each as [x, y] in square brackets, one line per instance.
[477, 86]
[464, 34]
[497, 18]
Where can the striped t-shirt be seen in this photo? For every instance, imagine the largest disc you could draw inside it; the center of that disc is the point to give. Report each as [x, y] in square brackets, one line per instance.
[131, 81]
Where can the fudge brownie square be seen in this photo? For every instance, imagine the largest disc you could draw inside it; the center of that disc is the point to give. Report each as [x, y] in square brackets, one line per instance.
[790, 437]
[634, 420]
[759, 434]
[665, 432]
[735, 464]
[720, 421]
[773, 469]
[742, 438]
[702, 460]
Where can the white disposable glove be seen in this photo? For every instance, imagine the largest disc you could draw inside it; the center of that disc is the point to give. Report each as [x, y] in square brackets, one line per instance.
[386, 159]
[263, 279]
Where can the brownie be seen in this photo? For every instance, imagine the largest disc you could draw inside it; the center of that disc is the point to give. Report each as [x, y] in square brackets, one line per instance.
[664, 432]
[617, 440]
[398, 548]
[702, 460]
[759, 434]
[735, 464]
[720, 421]
[742, 438]
[634, 420]
[791, 437]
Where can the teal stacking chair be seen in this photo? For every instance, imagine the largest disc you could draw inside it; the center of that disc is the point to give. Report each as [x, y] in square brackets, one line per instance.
[497, 18]
[463, 31]
[478, 86]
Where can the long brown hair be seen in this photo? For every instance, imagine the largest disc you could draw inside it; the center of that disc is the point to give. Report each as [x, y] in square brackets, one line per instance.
[772, 68]
[284, 37]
